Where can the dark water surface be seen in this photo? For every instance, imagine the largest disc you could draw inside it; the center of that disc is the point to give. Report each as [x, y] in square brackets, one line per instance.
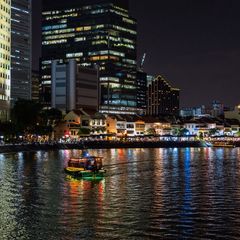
[147, 194]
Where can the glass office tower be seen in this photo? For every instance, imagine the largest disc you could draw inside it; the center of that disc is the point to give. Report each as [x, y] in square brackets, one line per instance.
[21, 49]
[5, 58]
[99, 34]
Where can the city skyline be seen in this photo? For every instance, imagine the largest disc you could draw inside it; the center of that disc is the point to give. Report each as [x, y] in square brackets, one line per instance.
[119, 119]
[194, 45]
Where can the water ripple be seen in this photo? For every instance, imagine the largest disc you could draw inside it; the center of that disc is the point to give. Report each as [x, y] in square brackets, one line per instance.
[147, 194]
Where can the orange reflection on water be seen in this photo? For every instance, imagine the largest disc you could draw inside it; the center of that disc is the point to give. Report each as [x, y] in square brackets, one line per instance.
[79, 185]
[120, 152]
[83, 198]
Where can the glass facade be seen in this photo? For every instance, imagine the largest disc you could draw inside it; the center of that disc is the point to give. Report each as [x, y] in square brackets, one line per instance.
[101, 35]
[141, 92]
[35, 86]
[21, 29]
[5, 55]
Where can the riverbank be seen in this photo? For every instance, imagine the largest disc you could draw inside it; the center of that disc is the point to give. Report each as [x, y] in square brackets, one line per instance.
[98, 145]
[102, 145]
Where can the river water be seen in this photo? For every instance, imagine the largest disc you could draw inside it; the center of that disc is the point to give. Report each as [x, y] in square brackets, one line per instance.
[147, 194]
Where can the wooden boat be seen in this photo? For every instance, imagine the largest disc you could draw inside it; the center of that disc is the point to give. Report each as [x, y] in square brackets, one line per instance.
[86, 167]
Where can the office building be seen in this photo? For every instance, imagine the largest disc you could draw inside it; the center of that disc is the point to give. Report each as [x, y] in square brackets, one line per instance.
[35, 86]
[5, 59]
[74, 87]
[163, 100]
[95, 33]
[21, 49]
[141, 92]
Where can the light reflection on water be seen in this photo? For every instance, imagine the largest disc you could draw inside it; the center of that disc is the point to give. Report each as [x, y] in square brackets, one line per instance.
[147, 194]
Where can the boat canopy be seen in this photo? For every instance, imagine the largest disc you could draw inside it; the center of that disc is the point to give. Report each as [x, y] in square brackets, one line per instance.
[86, 163]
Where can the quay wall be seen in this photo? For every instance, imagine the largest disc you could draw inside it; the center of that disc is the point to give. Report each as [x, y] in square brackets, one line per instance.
[98, 145]
[102, 145]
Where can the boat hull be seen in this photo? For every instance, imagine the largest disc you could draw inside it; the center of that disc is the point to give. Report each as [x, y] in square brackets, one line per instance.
[85, 174]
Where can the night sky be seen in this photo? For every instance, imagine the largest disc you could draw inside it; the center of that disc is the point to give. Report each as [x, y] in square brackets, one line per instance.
[195, 44]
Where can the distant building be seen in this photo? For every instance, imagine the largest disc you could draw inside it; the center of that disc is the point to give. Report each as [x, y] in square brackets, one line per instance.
[74, 87]
[162, 98]
[21, 49]
[235, 114]
[154, 125]
[93, 32]
[5, 59]
[199, 126]
[217, 109]
[35, 86]
[141, 92]
[192, 111]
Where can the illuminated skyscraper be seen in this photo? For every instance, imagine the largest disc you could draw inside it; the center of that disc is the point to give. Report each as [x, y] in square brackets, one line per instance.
[21, 69]
[141, 92]
[35, 86]
[5, 58]
[162, 98]
[95, 33]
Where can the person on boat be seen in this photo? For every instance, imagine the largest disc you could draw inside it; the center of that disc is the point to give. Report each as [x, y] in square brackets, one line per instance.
[92, 165]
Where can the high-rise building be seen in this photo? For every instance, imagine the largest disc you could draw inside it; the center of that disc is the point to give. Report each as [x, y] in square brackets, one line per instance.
[162, 98]
[21, 49]
[5, 58]
[35, 86]
[141, 92]
[95, 33]
[74, 87]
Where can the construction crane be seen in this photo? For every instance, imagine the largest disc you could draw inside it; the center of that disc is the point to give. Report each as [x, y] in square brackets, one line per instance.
[143, 61]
